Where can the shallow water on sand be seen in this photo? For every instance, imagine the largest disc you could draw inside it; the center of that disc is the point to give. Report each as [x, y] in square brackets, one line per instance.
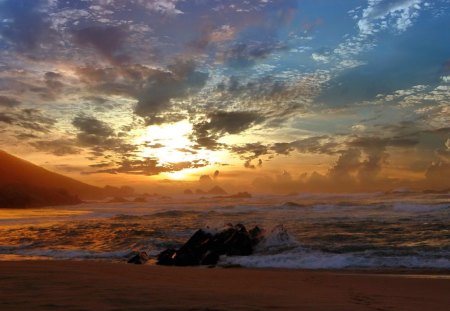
[371, 230]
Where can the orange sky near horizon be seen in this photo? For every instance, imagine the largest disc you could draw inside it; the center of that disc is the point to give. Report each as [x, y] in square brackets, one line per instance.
[277, 96]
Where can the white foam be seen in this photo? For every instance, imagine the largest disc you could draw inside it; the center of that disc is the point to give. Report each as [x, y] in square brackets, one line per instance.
[301, 259]
[277, 240]
[71, 254]
[418, 208]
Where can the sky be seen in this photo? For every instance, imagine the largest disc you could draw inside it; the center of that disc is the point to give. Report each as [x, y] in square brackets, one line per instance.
[266, 95]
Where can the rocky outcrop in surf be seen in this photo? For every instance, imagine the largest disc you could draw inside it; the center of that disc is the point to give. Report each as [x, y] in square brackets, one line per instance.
[205, 246]
[139, 259]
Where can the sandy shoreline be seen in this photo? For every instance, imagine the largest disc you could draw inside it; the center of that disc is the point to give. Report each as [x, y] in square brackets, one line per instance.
[83, 285]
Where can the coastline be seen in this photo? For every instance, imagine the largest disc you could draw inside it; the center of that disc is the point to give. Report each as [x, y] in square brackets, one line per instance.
[88, 285]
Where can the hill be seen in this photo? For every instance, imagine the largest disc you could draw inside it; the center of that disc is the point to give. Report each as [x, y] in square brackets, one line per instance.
[16, 171]
[22, 196]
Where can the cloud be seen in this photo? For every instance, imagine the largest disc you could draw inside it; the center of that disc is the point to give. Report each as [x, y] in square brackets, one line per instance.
[346, 165]
[58, 147]
[150, 167]
[152, 88]
[399, 13]
[92, 131]
[276, 98]
[161, 6]
[250, 152]
[316, 144]
[377, 142]
[180, 81]
[108, 41]
[166, 7]
[218, 123]
[102, 139]
[28, 118]
[7, 101]
[247, 54]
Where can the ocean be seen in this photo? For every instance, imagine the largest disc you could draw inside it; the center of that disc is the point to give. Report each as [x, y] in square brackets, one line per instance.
[308, 231]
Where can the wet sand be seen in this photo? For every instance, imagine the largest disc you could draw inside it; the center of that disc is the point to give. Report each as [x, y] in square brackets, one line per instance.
[83, 285]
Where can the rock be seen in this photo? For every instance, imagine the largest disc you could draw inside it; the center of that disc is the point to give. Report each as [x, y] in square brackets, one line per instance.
[166, 258]
[256, 235]
[139, 259]
[291, 204]
[188, 192]
[216, 190]
[210, 258]
[205, 248]
[198, 191]
[193, 251]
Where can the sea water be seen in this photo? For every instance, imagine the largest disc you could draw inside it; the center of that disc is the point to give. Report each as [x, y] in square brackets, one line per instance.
[310, 231]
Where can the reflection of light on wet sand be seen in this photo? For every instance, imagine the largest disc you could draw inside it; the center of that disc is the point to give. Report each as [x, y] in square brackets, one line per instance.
[14, 257]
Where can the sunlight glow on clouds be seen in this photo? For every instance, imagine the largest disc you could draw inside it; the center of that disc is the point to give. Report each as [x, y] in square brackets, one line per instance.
[172, 89]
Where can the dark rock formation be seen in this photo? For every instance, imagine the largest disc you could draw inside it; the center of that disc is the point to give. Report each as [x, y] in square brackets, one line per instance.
[166, 258]
[205, 248]
[291, 204]
[188, 192]
[216, 190]
[139, 259]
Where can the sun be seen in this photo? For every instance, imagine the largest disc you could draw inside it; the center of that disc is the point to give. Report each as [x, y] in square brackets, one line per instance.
[170, 143]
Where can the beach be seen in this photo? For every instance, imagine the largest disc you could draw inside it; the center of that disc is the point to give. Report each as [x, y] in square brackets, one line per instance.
[93, 285]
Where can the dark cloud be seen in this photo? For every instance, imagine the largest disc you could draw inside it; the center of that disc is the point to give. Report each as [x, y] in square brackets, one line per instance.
[97, 100]
[265, 88]
[247, 54]
[53, 86]
[347, 164]
[30, 119]
[282, 148]
[377, 142]
[107, 41]
[25, 25]
[275, 98]
[6, 118]
[152, 88]
[182, 80]
[92, 131]
[7, 101]
[150, 166]
[316, 144]
[101, 139]
[218, 123]
[250, 152]
[58, 147]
